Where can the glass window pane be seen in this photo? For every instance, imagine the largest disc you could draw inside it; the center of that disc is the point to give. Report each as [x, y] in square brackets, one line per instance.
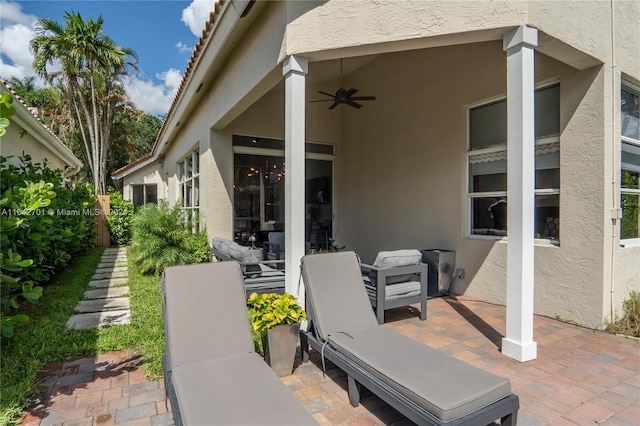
[547, 217]
[630, 116]
[489, 182]
[489, 216]
[548, 179]
[189, 167]
[138, 195]
[196, 162]
[630, 157]
[548, 112]
[196, 192]
[630, 179]
[630, 217]
[151, 194]
[488, 125]
[187, 192]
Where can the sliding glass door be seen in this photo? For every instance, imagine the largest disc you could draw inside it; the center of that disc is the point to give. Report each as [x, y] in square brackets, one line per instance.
[259, 176]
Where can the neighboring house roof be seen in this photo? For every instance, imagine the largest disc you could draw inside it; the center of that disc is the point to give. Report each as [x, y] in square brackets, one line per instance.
[195, 55]
[25, 118]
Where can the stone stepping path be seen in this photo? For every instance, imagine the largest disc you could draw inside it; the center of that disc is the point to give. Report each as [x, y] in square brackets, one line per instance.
[108, 303]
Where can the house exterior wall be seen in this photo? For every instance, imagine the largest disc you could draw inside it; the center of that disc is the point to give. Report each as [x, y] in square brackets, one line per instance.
[15, 144]
[401, 163]
[147, 175]
[414, 140]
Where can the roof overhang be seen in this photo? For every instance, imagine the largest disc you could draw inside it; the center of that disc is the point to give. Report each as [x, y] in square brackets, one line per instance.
[34, 127]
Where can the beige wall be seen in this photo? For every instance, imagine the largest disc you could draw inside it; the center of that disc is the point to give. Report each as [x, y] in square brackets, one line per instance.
[15, 143]
[412, 141]
[401, 165]
[148, 175]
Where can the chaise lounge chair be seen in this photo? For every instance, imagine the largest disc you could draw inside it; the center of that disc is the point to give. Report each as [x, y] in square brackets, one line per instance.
[424, 384]
[212, 374]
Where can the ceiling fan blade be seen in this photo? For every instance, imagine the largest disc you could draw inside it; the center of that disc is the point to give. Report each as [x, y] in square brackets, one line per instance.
[353, 104]
[325, 93]
[323, 100]
[335, 104]
[351, 92]
[364, 98]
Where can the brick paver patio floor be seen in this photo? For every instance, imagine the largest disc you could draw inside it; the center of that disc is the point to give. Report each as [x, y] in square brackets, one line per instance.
[581, 376]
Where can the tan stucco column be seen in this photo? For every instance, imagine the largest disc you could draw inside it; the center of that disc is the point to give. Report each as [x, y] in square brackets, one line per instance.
[520, 47]
[294, 69]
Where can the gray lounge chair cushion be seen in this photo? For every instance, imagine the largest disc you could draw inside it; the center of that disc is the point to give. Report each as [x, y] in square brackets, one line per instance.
[187, 343]
[445, 386]
[223, 392]
[338, 304]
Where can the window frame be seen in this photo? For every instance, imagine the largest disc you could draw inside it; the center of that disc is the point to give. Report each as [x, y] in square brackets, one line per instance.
[144, 193]
[190, 178]
[470, 196]
[635, 90]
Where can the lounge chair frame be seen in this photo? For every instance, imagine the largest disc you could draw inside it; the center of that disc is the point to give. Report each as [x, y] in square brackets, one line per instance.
[506, 409]
[213, 364]
[358, 374]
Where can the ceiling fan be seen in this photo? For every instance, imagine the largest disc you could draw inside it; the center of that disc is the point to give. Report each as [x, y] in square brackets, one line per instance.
[343, 96]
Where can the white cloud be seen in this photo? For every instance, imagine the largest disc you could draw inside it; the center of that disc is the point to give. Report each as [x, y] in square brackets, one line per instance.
[196, 14]
[155, 98]
[17, 30]
[183, 48]
[12, 14]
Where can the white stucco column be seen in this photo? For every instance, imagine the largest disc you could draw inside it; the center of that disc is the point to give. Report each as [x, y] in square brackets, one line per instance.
[520, 47]
[294, 69]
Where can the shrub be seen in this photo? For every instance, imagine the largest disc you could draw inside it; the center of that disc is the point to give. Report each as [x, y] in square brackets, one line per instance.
[629, 324]
[43, 225]
[119, 218]
[161, 237]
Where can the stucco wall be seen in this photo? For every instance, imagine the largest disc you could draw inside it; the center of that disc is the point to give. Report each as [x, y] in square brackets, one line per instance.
[401, 166]
[403, 171]
[148, 175]
[15, 144]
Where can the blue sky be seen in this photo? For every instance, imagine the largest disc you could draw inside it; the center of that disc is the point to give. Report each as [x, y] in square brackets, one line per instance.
[162, 32]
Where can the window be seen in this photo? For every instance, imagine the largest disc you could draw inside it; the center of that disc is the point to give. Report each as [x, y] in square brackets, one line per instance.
[487, 159]
[189, 178]
[259, 179]
[145, 194]
[630, 161]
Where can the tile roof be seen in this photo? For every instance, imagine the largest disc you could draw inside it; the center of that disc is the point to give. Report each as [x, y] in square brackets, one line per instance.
[31, 110]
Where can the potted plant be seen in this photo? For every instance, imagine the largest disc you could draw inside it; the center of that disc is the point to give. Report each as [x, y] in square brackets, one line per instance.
[275, 321]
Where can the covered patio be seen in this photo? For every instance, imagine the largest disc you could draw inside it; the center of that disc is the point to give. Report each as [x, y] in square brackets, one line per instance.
[580, 377]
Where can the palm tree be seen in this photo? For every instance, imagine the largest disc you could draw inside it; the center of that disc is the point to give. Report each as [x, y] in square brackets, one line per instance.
[92, 68]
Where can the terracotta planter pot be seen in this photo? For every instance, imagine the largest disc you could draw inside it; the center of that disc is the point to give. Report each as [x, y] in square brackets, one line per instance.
[280, 347]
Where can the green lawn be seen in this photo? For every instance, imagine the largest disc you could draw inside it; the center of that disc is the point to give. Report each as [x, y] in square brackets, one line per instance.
[45, 337]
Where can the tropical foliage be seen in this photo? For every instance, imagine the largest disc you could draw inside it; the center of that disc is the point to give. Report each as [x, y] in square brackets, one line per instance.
[43, 225]
[119, 218]
[6, 111]
[162, 237]
[269, 310]
[92, 71]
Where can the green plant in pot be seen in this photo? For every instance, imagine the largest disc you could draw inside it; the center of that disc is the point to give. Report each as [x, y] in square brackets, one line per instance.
[275, 320]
